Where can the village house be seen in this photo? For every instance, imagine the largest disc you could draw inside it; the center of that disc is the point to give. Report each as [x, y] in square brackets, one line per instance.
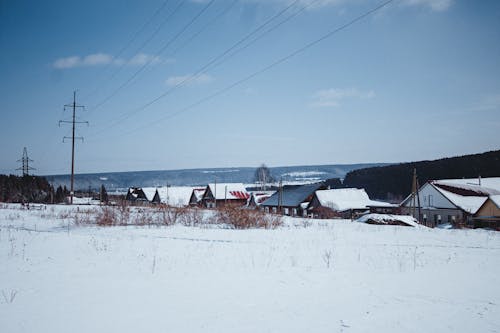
[221, 194]
[176, 196]
[454, 201]
[488, 215]
[196, 196]
[258, 197]
[291, 200]
[342, 202]
[139, 195]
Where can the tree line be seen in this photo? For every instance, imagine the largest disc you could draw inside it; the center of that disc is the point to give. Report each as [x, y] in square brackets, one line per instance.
[393, 182]
[30, 189]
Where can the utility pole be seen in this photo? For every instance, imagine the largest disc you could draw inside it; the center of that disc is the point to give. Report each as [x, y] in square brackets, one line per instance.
[25, 160]
[74, 106]
[415, 197]
[215, 192]
[280, 195]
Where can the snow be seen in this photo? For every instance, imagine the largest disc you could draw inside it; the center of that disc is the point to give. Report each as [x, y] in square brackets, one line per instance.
[261, 196]
[385, 218]
[490, 185]
[470, 204]
[177, 196]
[229, 191]
[304, 174]
[495, 199]
[347, 198]
[309, 275]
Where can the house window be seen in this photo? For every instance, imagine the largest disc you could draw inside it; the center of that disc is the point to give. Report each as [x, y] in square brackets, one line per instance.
[294, 211]
[286, 211]
[425, 218]
[274, 210]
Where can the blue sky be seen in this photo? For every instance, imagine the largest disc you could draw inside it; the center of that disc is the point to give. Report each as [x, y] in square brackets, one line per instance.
[418, 79]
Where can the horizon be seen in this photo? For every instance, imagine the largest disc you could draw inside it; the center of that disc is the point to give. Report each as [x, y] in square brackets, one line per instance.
[188, 84]
[273, 167]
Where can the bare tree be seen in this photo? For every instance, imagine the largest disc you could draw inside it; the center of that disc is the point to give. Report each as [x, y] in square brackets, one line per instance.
[263, 176]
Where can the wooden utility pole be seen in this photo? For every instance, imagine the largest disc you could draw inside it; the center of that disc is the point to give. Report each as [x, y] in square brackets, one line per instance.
[415, 197]
[74, 106]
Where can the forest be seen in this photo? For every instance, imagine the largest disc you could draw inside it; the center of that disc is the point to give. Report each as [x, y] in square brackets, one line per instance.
[393, 182]
[29, 189]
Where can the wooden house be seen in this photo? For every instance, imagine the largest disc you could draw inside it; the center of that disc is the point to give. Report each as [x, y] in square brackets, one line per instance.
[454, 201]
[342, 202]
[258, 197]
[196, 196]
[221, 194]
[138, 195]
[291, 200]
[488, 215]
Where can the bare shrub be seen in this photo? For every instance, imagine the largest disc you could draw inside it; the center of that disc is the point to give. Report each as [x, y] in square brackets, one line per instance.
[123, 213]
[107, 216]
[84, 217]
[142, 217]
[327, 257]
[191, 217]
[241, 218]
[169, 215]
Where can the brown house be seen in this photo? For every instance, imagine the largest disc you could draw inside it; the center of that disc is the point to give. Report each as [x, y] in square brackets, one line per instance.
[488, 215]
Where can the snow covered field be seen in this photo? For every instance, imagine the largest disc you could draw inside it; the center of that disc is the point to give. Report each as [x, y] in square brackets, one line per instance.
[309, 275]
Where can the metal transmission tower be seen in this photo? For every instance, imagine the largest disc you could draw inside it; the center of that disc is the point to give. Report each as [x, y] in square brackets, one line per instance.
[74, 106]
[25, 160]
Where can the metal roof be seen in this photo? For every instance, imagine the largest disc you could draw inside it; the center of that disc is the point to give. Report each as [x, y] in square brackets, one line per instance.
[292, 195]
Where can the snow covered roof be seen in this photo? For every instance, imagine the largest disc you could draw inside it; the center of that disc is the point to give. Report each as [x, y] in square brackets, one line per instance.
[347, 198]
[175, 195]
[388, 218]
[495, 199]
[149, 192]
[198, 193]
[260, 196]
[229, 191]
[469, 203]
[470, 186]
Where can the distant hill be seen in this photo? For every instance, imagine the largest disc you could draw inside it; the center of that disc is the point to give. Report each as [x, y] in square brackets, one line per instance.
[393, 182]
[192, 177]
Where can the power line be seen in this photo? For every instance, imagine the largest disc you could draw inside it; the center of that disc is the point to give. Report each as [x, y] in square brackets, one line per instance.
[268, 67]
[169, 42]
[204, 27]
[74, 106]
[204, 67]
[129, 42]
[196, 34]
[176, 9]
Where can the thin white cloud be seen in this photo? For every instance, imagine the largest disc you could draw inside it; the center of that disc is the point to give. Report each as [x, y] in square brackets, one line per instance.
[189, 79]
[333, 97]
[142, 58]
[68, 62]
[97, 59]
[100, 59]
[435, 5]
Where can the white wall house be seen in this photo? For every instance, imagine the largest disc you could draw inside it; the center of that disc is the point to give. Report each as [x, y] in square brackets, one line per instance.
[452, 201]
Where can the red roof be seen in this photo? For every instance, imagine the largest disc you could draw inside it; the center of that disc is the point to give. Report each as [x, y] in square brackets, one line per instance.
[240, 194]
